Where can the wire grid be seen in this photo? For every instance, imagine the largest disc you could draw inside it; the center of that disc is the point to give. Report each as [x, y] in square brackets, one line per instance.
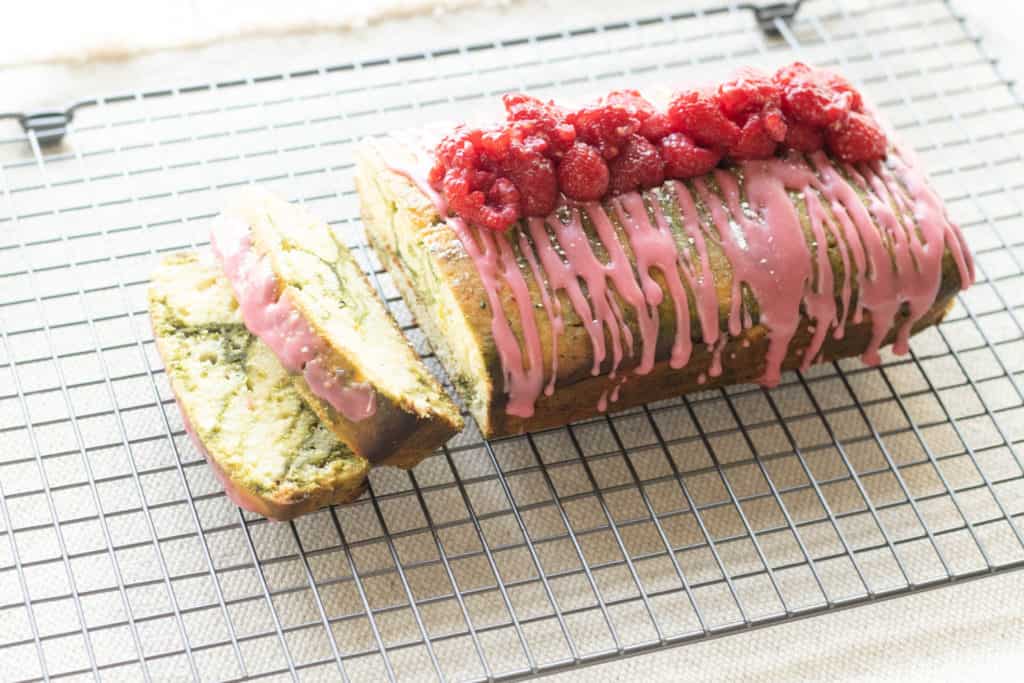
[682, 520]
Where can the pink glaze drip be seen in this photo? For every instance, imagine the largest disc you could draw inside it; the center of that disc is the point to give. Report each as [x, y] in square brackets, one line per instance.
[273, 318]
[715, 367]
[610, 394]
[891, 259]
[617, 388]
[619, 271]
[497, 267]
[699, 276]
[655, 247]
[560, 276]
[552, 306]
[580, 263]
[820, 219]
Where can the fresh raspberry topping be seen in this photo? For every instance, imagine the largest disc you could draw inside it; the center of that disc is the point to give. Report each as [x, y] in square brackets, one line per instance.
[622, 142]
[684, 158]
[749, 91]
[696, 113]
[545, 120]
[815, 96]
[843, 87]
[535, 177]
[755, 141]
[858, 138]
[654, 124]
[496, 209]
[606, 126]
[637, 166]
[583, 173]
[804, 137]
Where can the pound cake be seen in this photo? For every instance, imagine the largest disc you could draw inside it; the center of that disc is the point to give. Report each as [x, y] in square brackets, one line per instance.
[566, 260]
[302, 293]
[265, 446]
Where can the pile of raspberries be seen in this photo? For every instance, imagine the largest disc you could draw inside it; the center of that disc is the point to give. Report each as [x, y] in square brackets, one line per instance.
[492, 177]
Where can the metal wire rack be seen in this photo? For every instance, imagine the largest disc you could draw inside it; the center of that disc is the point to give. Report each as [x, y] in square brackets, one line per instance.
[648, 528]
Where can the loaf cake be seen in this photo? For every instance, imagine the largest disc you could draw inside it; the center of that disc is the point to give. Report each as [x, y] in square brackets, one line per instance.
[265, 446]
[302, 293]
[567, 261]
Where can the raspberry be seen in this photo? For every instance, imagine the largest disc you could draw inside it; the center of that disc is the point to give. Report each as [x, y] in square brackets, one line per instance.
[844, 87]
[858, 138]
[790, 73]
[685, 159]
[545, 120]
[534, 176]
[750, 90]
[804, 138]
[503, 192]
[470, 202]
[809, 104]
[637, 166]
[606, 126]
[632, 101]
[814, 97]
[621, 143]
[654, 125]
[696, 113]
[755, 142]
[775, 124]
[583, 173]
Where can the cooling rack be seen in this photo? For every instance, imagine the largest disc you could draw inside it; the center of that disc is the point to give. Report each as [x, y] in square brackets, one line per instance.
[680, 521]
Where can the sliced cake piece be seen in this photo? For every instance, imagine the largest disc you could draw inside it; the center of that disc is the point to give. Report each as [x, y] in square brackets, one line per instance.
[265, 446]
[301, 291]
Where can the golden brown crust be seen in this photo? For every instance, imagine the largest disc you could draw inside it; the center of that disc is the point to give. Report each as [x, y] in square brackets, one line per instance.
[283, 507]
[578, 391]
[394, 436]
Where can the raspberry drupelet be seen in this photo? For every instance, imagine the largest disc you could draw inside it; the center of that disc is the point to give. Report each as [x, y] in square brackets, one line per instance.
[622, 142]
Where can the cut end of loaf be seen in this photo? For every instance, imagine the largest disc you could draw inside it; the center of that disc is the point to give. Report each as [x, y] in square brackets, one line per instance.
[402, 228]
[412, 415]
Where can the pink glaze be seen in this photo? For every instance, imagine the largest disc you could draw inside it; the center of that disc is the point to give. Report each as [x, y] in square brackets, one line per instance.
[891, 259]
[552, 306]
[497, 267]
[655, 247]
[619, 271]
[580, 263]
[273, 318]
[699, 276]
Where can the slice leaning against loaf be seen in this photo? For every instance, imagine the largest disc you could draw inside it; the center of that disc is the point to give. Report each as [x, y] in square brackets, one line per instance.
[265, 446]
[693, 320]
[301, 291]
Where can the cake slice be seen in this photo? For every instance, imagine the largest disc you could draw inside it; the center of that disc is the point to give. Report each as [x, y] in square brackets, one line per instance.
[265, 446]
[301, 291]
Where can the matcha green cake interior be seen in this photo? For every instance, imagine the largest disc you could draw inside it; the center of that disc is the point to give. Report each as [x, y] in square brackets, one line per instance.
[334, 294]
[239, 400]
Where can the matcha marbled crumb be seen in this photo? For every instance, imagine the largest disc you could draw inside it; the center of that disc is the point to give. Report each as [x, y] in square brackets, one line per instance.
[239, 400]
